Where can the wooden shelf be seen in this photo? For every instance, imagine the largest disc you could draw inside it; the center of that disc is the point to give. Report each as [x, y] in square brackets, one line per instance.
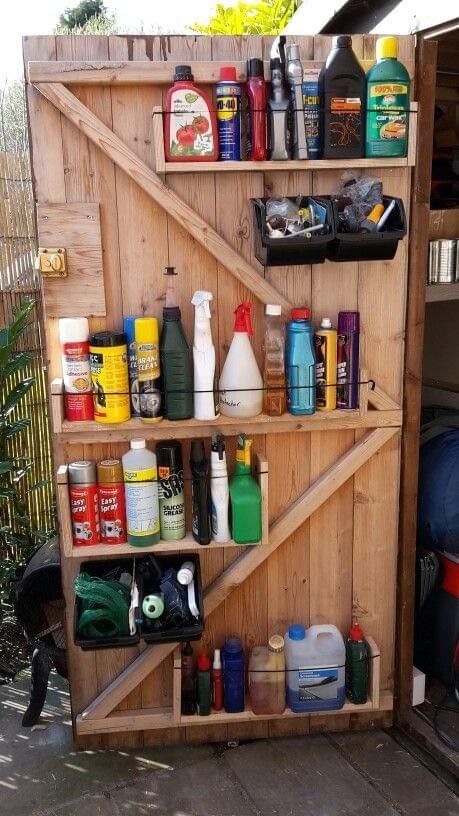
[442, 291]
[187, 544]
[285, 166]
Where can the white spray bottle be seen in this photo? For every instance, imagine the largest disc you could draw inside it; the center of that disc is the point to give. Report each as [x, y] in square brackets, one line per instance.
[203, 358]
[219, 491]
[241, 371]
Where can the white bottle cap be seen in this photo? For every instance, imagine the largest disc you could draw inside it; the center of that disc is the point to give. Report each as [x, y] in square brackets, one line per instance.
[326, 323]
[73, 329]
[217, 659]
[138, 444]
[185, 573]
[273, 309]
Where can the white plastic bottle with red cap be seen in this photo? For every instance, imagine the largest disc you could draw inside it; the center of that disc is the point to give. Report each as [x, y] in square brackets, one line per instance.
[241, 384]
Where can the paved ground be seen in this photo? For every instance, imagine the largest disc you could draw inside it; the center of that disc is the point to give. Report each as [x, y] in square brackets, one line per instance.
[358, 774]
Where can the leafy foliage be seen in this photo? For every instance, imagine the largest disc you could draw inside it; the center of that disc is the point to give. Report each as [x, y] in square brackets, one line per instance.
[13, 119]
[258, 17]
[88, 17]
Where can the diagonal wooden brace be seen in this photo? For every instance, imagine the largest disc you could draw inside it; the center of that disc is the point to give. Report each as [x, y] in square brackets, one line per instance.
[292, 518]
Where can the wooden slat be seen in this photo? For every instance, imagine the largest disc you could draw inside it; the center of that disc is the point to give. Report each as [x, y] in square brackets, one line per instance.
[125, 158]
[285, 166]
[443, 224]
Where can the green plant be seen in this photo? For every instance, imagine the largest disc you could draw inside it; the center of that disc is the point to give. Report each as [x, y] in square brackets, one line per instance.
[88, 17]
[258, 17]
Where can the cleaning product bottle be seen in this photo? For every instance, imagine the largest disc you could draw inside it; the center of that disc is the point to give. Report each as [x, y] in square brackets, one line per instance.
[205, 406]
[142, 503]
[133, 371]
[200, 494]
[109, 374]
[347, 375]
[388, 103]
[245, 495]
[274, 397]
[148, 369]
[278, 114]
[325, 342]
[204, 684]
[171, 493]
[315, 660]
[175, 359]
[343, 93]
[228, 95]
[217, 682]
[241, 371]
[300, 364]
[356, 666]
[190, 124]
[256, 93]
[188, 681]
[267, 677]
[295, 81]
[219, 491]
[233, 675]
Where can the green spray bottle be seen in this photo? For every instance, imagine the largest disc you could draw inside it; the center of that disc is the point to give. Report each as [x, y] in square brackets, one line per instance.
[388, 103]
[356, 666]
[245, 496]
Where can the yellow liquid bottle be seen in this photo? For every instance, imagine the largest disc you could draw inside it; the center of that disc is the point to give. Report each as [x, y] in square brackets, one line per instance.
[325, 344]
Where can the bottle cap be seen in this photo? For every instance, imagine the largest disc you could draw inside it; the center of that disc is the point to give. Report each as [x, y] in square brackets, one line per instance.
[348, 322]
[342, 41]
[110, 471]
[138, 444]
[276, 644]
[325, 323]
[293, 52]
[186, 573]
[243, 450]
[146, 330]
[73, 329]
[232, 645]
[297, 632]
[301, 314]
[172, 313]
[386, 48]
[255, 67]
[107, 339]
[129, 327]
[82, 473]
[228, 74]
[183, 72]
[217, 659]
[169, 455]
[203, 662]
[356, 632]
[243, 322]
[273, 309]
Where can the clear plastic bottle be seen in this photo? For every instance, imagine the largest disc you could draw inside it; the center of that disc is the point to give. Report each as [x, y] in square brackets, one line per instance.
[267, 677]
[274, 395]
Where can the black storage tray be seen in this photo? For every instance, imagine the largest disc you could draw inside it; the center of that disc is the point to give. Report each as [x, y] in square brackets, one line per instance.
[99, 568]
[371, 246]
[194, 630]
[293, 250]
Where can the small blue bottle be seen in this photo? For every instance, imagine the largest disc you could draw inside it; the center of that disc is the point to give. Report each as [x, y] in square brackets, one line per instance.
[300, 364]
[233, 676]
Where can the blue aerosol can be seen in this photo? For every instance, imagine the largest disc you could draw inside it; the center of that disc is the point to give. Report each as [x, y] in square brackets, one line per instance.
[228, 93]
[300, 364]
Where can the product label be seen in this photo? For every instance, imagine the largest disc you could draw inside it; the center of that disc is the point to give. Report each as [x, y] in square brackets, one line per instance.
[387, 118]
[318, 684]
[84, 514]
[345, 125]
[133, 378]
[342, 373]
[79, 407]
[311, 103]
[142, 501]
[147, 361]
[190, 125]
[171, 502]
[75, 367]
[110, 380]
[320, 345]
[112, 513]
[229, 122]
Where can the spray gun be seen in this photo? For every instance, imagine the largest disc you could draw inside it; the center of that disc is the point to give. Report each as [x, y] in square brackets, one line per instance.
[295, 81]
[279, 107]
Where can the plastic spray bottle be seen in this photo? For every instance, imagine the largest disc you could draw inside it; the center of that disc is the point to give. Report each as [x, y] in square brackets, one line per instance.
[241, 371]
[245, 497]
[325, 341]
[203, 358]
[200, 496]
[219, 491]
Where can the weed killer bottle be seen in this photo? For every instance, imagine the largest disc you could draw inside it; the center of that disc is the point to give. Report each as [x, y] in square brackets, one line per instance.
[141, 488]
[245, 497]
[190, 124]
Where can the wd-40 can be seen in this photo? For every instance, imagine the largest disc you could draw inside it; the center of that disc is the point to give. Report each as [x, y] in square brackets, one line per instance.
[228, 93]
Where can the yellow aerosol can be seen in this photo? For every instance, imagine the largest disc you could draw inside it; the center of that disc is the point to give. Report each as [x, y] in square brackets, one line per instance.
[109, 374]
[325, 343]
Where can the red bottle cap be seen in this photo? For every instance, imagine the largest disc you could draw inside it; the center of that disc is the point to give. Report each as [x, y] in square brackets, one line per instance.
[301, 314]
[228, 73]
[356, 632]
[243, 323]
[203, 662]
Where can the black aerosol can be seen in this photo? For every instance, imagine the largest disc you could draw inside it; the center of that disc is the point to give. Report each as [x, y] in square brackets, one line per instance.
[200, 493]
[171, 495]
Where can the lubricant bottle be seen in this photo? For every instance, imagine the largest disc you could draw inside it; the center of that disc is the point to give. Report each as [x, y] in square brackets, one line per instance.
[388, 102]
[129, 330]
[109, 374]
[245, 496]
[204, 684]
[228, 95]
[356, 666]
[171, 494]
[148, 369]
[256, 92]
[141, 489]
[188, 681]
[112, 502]
[347, 391]
[176, 362]
[325, 340]
[84, 505]
[343, 93]
[200, 493]
[300, 364]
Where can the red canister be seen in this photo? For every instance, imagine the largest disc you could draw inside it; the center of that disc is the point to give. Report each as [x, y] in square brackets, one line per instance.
[112, 503]
[84, 507]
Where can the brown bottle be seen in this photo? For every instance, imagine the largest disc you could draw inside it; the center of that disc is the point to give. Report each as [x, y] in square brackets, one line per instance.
[274, 395]
[343, 95]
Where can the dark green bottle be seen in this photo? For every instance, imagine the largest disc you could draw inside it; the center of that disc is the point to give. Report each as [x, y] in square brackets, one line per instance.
[356, 666]
[204, 684]
[176, 364]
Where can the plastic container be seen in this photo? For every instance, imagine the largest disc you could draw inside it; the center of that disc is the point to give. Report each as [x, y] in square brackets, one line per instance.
[240, 371]
[176, 366]
[129, 330]
[219, 491]
[157, 630]
[315, 660]
[142, 502]
[380, 245]
[233, 676]
[148, 369]
[388, 103]
[325, 344]
[348, 360]
[275, 394]
[300, 364]
[343, 91]
[205, 402]
[84, 503]
[256, 93]
[245, 495]
[228, 96]
[171, 490]
[267, 677]
[356, 666]
[292, 250]
[200, 493]
[76, 369]
[203, 685]
[190, 124]
[100, 569]
[112, 502]
[109, 374]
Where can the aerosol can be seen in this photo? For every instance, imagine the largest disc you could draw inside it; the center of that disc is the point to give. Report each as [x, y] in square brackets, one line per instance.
[295, 81]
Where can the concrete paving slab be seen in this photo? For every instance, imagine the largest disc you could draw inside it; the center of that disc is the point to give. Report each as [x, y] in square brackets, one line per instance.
[304, 777]
[401, 777]
[86, 806]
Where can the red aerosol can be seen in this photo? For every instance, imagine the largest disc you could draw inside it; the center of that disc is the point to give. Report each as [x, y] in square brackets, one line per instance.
[84, 503]
[76, 371]
[112, 503]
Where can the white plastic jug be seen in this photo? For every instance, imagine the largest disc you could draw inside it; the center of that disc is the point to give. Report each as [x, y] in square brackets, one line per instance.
[315, 660]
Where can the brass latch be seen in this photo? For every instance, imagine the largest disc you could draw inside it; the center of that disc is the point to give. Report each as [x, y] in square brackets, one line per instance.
[52, 263]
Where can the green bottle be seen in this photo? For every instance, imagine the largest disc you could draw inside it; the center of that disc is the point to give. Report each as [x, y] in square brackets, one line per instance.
[204, 685]
[356, 666]
[388, 103]
[176, 364]
[245, 496]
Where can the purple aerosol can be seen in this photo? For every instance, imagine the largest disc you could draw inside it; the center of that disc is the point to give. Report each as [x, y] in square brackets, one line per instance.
[347, 392]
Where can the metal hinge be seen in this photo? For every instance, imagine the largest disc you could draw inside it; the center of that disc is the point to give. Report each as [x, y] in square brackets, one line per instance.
[51, 262]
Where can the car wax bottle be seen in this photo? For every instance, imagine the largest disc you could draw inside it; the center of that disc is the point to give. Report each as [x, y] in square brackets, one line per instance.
[245, 496]
[356, 666]
[256, 93]
[204, 684]
[325, 342]
[171, 494]
[176, 364]
[148, 369]
[190, 124]
[347, 364]
[388, 103]
[233, 675]
[228, 95]
[343, 93]
[188, 681]
[200, 493]
[300, 364]
[129, 330]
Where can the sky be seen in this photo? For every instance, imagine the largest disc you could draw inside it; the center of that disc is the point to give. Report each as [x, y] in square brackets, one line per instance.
[41, 16]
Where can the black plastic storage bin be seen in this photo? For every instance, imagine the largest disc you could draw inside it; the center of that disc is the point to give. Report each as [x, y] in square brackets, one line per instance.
[155, 632]
[99, 569]
[371, 246]
[293, 250]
